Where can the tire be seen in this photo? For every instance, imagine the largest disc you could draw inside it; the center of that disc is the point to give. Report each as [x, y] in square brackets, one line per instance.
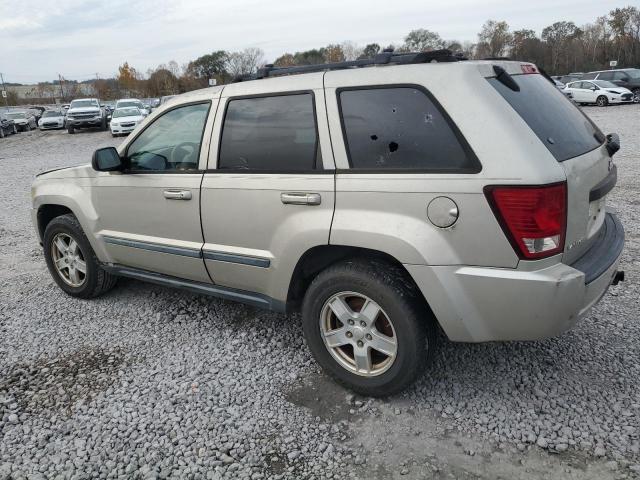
[2, 134]
[70, 129]
[602, 101]
[410, 324]
[96, 280]
[636, 95]
[15, 130]
[28, 127]
[103, 125]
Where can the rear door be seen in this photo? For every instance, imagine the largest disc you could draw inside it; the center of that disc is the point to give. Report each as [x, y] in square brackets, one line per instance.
[577, 144]
[268, 193]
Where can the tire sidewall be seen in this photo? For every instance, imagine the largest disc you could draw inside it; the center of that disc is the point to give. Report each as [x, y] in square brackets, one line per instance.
[63, 225]
[406, 332]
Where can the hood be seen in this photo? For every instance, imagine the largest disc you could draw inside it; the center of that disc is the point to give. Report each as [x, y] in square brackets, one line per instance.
[52, 119]
[83, 110]
[619, 90]
[20, 120]
[131, 118]
[79, 171]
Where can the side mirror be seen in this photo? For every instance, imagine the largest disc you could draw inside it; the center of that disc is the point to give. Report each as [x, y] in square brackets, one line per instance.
[107, 160]
[613, 143]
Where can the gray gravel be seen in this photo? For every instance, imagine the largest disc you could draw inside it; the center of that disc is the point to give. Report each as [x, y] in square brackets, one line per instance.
[147, 382]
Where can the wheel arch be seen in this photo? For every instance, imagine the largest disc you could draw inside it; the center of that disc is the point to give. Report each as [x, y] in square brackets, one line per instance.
[48, 212]
[318, 258]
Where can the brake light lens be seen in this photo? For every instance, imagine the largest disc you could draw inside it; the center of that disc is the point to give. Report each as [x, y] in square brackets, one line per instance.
[534, 218]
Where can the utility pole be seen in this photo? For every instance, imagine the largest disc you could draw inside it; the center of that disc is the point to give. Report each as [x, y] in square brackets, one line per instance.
[6, 100]
[61, 90]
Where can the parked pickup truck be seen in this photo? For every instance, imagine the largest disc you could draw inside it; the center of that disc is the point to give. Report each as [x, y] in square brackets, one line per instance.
[376, 197]
[86, 113]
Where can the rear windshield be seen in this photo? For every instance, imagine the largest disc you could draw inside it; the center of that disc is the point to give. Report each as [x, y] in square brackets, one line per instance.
[557, 122]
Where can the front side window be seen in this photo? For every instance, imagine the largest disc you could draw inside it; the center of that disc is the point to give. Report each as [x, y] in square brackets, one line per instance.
[172, 142]
[276, 133]
[401, 128]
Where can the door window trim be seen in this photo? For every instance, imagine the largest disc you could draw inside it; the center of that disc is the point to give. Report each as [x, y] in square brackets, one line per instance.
[199, 171]
[318, 169]
[470, 154]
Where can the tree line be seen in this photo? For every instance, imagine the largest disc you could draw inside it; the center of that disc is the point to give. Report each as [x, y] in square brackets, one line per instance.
[561, 47]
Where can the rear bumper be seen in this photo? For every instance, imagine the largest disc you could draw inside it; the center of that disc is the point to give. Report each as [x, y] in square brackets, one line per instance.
[479, 304]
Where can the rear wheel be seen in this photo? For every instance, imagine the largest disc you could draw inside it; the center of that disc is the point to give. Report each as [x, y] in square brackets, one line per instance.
[71, 260]
[602, 101]
[368, 327]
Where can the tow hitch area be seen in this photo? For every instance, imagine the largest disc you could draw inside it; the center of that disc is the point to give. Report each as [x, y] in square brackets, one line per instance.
[618, 277]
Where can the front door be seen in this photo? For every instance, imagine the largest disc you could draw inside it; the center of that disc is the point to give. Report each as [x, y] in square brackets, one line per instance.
[149, 214]
[268, 195]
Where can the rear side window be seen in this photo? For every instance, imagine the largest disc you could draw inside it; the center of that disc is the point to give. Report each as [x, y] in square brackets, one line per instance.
[276, 133]
[557, 122]
[401, 128]
[605, 76]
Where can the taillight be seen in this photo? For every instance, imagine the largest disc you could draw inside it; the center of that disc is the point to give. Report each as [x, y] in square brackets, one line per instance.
[534, 218]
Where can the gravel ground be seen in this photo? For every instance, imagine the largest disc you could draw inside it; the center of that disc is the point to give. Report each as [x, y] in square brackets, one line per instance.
[148, 382]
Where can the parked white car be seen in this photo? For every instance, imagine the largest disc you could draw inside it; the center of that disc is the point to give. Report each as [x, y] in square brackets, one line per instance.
[124, 120]
[598, 92]
[51, 119]
[132, 102]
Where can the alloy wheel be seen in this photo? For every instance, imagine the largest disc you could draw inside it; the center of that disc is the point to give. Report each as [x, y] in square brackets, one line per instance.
[68, 260]
[358, 334]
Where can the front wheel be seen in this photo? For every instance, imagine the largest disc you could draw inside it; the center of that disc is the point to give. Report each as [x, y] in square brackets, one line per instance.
[636, 95]
[602, 101]
[71, 260]
[70, 129]
[368, 327]
[2, 134]
[15, 130]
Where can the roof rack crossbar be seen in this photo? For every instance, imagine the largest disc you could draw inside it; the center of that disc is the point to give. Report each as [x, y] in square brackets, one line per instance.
[383, 58]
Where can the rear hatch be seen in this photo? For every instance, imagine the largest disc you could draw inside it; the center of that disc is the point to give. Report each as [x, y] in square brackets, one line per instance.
[573, 140]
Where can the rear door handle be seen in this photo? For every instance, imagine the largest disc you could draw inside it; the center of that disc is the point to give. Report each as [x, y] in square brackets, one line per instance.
[177, 194]
[300, 198]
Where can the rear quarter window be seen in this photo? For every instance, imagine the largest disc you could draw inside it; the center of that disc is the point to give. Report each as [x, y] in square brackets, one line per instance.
[557, 122]
[401, 128]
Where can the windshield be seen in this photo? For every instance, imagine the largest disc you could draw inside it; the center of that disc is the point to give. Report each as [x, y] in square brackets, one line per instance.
[126, 112]
[83, 103]
[130, 103]
[51, 113]
[558, 123]
[604, 84]
[16, 115]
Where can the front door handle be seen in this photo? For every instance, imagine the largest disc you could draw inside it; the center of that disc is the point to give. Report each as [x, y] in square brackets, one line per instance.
[177, 194]
[300, 198]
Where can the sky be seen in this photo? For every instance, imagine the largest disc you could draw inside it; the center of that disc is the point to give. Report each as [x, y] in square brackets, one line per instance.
[80, 39]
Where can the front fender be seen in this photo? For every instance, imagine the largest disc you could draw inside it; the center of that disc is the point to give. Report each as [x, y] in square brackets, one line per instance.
[75, 197]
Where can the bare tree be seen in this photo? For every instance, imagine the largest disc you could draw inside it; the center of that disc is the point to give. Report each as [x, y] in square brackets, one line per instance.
[245, 62]
[494, 39]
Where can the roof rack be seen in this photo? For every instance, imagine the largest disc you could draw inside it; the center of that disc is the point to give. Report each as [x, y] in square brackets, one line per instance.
[386, 57]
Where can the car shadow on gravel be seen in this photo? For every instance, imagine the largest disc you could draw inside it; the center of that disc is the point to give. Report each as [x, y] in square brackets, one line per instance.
[56, 385]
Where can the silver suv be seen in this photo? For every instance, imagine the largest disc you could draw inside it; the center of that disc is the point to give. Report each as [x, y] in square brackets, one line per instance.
[377, 197]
